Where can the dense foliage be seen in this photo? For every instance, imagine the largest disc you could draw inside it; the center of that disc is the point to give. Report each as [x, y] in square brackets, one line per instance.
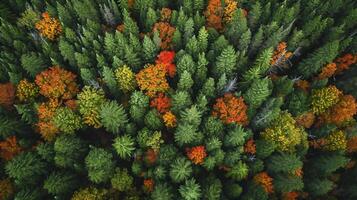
[185, 99]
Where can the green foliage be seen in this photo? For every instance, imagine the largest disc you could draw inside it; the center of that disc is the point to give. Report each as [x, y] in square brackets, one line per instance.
[318, 187]
[235, 137]
[26, 169]
[267, 113]
[67, 121]
[61, 183]
[113, 116]
[180, 169]
[190, 190]
[233, 190]
[212, 189]
[287, 183]
[139, 104]
[321, 56]
[33, 63]
[162, 192]
[283, 163]
[69, 151]
[100, 165]
[152, 120]
[124, 146]
[225, 63]
[238, 172]
[121, 180]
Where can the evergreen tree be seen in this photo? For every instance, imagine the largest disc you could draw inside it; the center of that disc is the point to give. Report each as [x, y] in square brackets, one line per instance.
[100, 165]
[321, 56]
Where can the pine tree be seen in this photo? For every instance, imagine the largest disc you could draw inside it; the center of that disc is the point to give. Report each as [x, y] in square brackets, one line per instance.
[225, 63]
[180, 169]
[185, 83]
[321, 56]
[61, 183]
[32, 63]
[254, 15]
[190, 190]
[26, 169]
[69, 152]
[149, 49]
[113, 116]
[124, 146]
[100, 165]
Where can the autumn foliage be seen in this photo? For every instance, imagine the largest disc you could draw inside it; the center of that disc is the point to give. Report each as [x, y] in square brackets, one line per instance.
[57, 83]
[9, 148]
[167, 58]
[327, 71]
[166, 32]
[152, 80]
[231, 109]
[345, 62]
[45, 126]
[169, 119]
[250, 147]
[280, 54]
[344, 110]
[49, 27]
[214, 14]
[7, 95]
[149, 185]
[265, 181]
[161, 103]
[197, 154]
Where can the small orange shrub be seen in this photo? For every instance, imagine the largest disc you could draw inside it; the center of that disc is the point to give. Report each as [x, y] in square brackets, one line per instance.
[149, 185]
[280, 54]
[344, 110]
[214, 13]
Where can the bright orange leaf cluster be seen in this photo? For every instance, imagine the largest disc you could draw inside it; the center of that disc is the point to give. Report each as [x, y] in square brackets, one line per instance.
[9, 148]
[162, 103]
[7, 95]
[49, 27]
[149, 185]
[280, 54]
[231, 109]
[265, 181]
[197, 154]
[45, 126]
[345, 62]
[344, 110]
[152, 80]
[167, 58]
[169, 119]
[57, 83]
[166, 32]
[250, 147]
[327, 71]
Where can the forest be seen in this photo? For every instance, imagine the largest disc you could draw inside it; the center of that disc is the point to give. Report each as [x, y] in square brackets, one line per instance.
[178, 99]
